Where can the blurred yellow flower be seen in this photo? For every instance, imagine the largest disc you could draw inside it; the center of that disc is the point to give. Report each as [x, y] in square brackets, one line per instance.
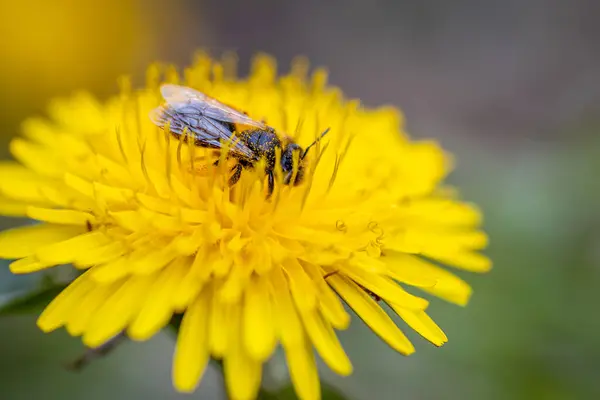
[50, 47]
[158, 231]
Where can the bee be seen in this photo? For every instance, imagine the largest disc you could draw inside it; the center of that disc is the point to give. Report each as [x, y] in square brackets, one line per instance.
[212, 124]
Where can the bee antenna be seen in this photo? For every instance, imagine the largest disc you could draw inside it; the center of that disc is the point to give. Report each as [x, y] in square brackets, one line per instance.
[313, 143]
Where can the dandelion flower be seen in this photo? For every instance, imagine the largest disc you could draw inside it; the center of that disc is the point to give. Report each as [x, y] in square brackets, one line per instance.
[156, 230]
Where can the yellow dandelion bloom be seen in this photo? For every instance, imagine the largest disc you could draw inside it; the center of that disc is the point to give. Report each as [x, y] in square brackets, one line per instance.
[156, 230]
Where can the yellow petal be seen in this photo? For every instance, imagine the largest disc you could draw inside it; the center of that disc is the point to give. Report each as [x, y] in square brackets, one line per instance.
[24, 241]
[80, 185]
[443, 211]
[258, 326]
[112, 270]
[385, 288]
[158, 178]
[27, 265]
[117, 311]
[233, 288]
[22, 184]
[152, 261]
[219, 334]
[191, 349]
[183, 192]
[12, 208]
[79, 318]
[326, 342]
[467, 260]
[302, 288]
[371, 313]
[288, 322]
[303, 371]
[194, 216]
[99, 255]
[44, 132]
[114, 172]
[296, 232]
[448, 286]
[80, 114]
[145, 260]
[444, 245]
[59, 310]
[333, 310]
[166, 223]
[61, 196]
[130, 220]
[37, 158]
[189, 287]
[423, 324]
[434, 165]
[188, 244]
[395, 268]
[156, 204]
[157, 309]
[242, 373]
[66, 217]
[329, 303]
[67, 251]
[113, 196]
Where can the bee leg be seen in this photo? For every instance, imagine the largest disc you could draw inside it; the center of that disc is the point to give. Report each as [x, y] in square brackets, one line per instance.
[237, 173]
[271, 183]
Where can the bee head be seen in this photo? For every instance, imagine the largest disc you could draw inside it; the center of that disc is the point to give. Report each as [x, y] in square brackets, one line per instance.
[287, 160]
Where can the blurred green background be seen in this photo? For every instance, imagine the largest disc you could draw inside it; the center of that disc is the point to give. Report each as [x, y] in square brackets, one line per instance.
[511, 87]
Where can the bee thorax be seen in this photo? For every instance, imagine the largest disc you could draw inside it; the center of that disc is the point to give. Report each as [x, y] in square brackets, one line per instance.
[263, 144]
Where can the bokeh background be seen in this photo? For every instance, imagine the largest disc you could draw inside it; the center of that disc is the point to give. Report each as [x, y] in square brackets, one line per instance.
[511, 87]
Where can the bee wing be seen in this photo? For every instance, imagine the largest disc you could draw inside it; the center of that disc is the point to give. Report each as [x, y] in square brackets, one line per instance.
[206, 131]
[186, 100]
